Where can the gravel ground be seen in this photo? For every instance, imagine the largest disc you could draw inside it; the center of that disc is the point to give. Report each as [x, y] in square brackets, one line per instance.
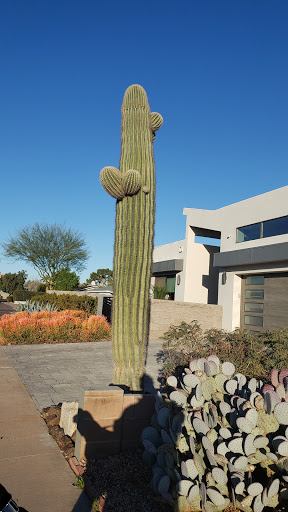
[125, 481]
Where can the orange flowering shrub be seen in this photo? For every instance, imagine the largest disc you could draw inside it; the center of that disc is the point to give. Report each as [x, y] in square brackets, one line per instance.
[52, 327]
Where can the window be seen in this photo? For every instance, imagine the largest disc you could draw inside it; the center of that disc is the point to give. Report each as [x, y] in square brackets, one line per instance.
[254, 280]
[247, 233]
[272, 227]
[275, 227]
[254, 294]
[253, 320]
[254, 307]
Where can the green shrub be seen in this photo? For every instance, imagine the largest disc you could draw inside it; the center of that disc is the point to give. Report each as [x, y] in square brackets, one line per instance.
[159, 292]
[10, 298]
[253, 355]
[10, 282]
[23, 295]
[67, 301]
[65, 280]
[41, 288]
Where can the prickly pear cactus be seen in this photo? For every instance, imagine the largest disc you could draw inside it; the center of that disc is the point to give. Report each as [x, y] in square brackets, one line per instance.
[133, 185]
[218, 440]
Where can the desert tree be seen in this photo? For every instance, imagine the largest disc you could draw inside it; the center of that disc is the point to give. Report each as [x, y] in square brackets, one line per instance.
[102, 277]
[48, 248]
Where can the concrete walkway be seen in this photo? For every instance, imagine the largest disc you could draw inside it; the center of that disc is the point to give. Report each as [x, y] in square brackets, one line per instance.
[55, 373]
[32, 468]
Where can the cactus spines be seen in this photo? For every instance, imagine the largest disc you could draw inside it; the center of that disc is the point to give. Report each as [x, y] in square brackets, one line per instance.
[255, 489]
[281, 413]
[184, 486]
[156, 121]
[215, 497]
[164, 484]
[228, 369]
[172, 381]
[274, 377]
[111, 181]
[131, 182]
[134, 233]
[145, 189]
[282, 375]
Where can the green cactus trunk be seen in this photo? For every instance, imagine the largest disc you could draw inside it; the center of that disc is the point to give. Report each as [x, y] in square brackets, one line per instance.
[134, 233]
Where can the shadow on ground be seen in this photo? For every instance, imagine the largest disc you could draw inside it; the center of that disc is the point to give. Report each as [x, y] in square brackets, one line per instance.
[121, 478]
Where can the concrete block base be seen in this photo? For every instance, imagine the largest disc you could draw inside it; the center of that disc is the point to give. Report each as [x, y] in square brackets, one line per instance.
[110, 421]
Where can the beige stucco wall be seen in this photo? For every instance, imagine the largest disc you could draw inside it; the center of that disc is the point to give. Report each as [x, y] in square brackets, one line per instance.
[165, 313]
[200, 277]
[229, 298]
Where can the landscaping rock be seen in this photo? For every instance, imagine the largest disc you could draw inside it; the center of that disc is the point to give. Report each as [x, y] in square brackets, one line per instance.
[52, 410]
[68, 450]
[68, 412]
[56, 432]
[63, 441]
[52, 420]
[76, 467]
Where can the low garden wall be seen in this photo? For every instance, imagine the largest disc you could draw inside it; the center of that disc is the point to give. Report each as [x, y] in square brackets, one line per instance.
[168, 312]
[60, 292]
[110, 421]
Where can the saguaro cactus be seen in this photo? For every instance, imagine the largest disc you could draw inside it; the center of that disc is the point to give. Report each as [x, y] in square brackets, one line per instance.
[133, 185]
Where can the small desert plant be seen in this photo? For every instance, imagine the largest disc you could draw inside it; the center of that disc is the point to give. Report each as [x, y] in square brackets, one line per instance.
[79, 482]
[96, 505]
[31, 307]
[159, 292]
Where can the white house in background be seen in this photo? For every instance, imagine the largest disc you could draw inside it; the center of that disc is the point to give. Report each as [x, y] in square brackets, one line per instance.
[247, 275]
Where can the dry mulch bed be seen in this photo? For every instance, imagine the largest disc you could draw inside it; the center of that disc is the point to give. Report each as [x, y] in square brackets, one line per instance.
[124, 481]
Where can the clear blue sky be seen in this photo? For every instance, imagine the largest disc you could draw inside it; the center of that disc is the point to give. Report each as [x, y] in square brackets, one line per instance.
[216, 70]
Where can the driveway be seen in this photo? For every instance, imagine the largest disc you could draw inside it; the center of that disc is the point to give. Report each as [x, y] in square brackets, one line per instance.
[6, 308]
[54, 373]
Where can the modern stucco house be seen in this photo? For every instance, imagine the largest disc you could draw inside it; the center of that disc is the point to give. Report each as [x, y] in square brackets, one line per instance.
[247, 274]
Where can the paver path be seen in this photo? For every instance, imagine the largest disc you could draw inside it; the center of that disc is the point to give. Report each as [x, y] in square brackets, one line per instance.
[32, 468]
[54, 373]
